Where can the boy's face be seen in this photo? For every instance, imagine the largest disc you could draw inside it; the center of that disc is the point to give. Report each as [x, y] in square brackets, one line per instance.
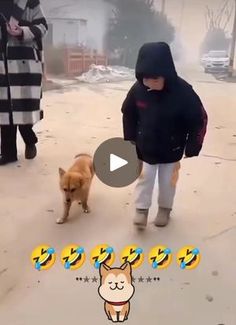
[154, 84]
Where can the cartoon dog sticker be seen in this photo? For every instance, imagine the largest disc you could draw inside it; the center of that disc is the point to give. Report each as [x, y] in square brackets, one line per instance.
[116, 289]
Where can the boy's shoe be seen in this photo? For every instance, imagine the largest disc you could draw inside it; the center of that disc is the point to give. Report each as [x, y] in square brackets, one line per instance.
[141, 217]
[163, 217]
[7, 160]
[30, 151]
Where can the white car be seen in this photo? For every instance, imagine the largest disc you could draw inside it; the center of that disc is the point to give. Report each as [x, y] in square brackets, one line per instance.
[216, 61]
[204, 59]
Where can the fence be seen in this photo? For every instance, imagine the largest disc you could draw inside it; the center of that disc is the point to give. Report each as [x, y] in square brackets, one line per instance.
[77, 62]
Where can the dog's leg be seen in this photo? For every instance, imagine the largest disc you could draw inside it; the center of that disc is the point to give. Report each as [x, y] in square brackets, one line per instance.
[84, 201]
[115, 318]
[85, 206]
[126, 311]
[67, 206]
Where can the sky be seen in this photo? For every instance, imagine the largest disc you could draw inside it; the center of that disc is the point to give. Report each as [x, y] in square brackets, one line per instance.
[188, 16]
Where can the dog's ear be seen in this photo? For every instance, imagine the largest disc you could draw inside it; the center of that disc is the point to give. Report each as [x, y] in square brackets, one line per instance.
[104, 269]
[61, 172]
[126, 267]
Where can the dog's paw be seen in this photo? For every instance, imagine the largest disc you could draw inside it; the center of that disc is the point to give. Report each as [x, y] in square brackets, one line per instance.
[60, 221]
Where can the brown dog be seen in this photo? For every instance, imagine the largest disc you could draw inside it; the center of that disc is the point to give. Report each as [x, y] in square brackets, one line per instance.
[75, 184]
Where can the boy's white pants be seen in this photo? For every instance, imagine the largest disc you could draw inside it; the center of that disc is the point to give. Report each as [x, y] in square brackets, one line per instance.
[167, 179]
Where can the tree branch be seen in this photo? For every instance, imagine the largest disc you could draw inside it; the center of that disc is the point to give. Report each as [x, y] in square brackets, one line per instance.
[221, 13]
[228, 18]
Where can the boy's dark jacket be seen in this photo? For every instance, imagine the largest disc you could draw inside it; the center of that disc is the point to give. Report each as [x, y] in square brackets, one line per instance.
[163, 124]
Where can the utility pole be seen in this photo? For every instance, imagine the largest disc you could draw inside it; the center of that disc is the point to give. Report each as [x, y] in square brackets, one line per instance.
[233, 44]
[163, 7]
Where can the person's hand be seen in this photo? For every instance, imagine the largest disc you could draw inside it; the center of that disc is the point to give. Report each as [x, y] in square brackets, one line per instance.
[14, 30]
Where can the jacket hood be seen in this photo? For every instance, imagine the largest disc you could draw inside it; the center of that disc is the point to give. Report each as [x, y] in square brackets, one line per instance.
[155, 60]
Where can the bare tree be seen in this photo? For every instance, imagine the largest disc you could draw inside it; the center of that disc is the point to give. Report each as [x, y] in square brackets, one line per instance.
[219, 19]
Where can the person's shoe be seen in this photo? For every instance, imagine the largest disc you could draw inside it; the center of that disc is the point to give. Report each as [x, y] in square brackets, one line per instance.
[163, 217]
[141, 217]
[30, 151]
[7, 160]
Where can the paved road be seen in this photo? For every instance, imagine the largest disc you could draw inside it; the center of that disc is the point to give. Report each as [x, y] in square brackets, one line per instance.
[77, 120]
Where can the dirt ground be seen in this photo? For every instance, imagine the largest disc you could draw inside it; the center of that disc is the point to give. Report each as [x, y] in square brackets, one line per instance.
[78, 119]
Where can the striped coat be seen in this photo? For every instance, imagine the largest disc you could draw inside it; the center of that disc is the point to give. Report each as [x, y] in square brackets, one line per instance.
[21, 92]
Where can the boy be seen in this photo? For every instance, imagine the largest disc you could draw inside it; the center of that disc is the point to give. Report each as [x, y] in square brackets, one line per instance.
[165, 119]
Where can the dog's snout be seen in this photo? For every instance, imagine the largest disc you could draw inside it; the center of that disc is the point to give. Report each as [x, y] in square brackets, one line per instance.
[68, 200]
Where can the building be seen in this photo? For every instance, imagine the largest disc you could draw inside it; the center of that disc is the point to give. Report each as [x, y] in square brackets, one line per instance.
[77, 22]
[69, 31]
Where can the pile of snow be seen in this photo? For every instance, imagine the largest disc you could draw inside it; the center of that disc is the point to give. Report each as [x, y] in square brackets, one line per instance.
[62, 82]
[100, 73]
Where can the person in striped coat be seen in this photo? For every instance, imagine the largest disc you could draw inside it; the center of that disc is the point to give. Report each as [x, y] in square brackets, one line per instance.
[22, 28]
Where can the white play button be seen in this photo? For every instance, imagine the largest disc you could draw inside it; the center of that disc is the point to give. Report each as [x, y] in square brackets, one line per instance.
[117, 162]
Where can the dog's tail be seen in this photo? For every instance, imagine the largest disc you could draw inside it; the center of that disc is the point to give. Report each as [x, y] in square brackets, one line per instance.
[83, 155]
